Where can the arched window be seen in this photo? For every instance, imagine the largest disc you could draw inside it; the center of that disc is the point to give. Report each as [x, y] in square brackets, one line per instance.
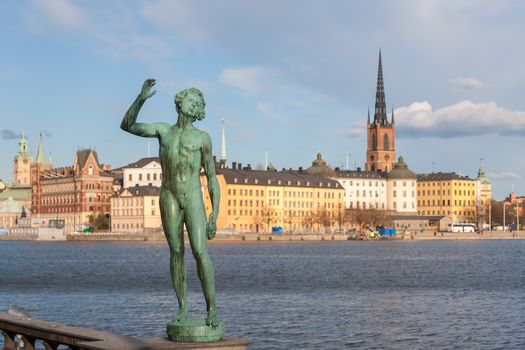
[385, 143]
[374, 142]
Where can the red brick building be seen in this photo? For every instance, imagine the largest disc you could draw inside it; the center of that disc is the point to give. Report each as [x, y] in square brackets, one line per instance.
[73, 194]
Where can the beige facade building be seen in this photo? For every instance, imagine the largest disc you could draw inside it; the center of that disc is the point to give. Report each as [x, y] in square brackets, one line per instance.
[136, 210]
[257, 201]
[447, 194]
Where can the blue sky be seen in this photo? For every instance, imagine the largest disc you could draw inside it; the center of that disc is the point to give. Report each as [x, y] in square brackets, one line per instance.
[291, 78]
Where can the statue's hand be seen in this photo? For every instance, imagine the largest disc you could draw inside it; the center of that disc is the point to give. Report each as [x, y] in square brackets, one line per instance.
[147, 91]
[211, 226]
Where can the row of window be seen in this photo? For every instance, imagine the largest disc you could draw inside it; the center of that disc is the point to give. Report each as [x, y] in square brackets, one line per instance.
[447, 183]
[465, 213]
[126, 226]
[147, 177]
[447, 202]
[446, 192]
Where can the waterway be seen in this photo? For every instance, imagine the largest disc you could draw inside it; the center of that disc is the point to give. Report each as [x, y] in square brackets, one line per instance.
[318, 295]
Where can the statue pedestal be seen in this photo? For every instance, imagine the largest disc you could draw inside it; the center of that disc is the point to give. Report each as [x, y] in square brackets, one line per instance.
[194, 330]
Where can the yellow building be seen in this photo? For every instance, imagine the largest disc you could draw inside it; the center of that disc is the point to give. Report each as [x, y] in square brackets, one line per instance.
[448, 194]
[136, 210]
[256, 201]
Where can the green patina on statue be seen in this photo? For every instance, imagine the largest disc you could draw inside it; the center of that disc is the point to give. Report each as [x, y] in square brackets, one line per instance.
[183, 151]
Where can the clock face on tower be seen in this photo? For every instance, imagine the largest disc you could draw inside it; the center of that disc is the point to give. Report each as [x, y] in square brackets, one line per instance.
[387, 157]
[372, 158]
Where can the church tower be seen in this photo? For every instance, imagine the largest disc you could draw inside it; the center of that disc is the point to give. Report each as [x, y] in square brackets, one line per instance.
[22, 165]
[380, 154]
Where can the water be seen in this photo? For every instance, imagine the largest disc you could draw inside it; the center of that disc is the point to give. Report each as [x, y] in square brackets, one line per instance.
[321, 295]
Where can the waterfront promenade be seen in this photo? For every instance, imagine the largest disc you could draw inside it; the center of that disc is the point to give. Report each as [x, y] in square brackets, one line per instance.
[295, 237]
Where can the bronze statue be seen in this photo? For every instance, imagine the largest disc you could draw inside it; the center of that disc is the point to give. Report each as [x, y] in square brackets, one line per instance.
[184, 149]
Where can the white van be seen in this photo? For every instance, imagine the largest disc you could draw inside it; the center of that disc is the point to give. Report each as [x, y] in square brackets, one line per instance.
[462, 227]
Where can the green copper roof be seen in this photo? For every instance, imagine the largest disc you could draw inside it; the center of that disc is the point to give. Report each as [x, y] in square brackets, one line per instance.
[481, 176]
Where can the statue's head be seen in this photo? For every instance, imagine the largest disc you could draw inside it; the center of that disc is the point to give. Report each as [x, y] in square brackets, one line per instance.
[190, 102]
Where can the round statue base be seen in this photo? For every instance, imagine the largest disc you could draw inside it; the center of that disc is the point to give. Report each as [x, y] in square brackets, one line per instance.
[194, 330]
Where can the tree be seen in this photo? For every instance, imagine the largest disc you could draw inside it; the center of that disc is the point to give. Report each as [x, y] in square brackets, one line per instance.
[369, 217]
[265, 217]
[99, 221]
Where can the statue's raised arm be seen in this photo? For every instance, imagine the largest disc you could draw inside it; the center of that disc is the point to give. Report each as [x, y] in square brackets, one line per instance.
[129, 123]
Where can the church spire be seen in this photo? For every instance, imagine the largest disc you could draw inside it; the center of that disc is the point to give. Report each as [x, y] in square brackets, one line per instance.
[392, 122]
[380, 110]
[40, 152]
[368, 115]
[223, 158]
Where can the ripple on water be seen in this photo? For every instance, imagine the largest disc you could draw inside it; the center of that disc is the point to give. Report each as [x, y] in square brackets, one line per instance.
[332, 295]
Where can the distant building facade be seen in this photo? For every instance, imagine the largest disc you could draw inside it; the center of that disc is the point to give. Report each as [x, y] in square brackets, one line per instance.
[256, 201]
[447, 194]
[73, 194]
[401, 184]
[22, 165]
[136, 210]
[144, 172]
[363, 189]
[484, 197]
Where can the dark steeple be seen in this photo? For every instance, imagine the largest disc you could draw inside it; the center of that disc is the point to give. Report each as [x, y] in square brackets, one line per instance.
[392, 122]
[380, 116]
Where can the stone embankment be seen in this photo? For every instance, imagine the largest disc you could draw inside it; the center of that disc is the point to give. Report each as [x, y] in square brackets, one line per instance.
[285, 237]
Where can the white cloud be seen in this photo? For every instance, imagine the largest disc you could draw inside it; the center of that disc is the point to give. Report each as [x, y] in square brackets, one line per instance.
[464, 118]
[60, 13]
[248, 80]
[469, 83]
[504, 175]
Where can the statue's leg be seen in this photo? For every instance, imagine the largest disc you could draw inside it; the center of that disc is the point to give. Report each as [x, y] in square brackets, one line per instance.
[196, 225]
[171, 215]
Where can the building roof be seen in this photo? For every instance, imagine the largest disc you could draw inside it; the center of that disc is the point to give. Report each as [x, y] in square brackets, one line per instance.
[401, 171]
[140, 163]
[19, 193]
[83, 155]
[481, 176]
[276, 178]
[442, 177]
[141, 191]
[319, 167]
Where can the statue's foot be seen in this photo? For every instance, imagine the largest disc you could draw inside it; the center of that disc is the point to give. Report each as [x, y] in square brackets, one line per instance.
[181, 315]
[213, 318]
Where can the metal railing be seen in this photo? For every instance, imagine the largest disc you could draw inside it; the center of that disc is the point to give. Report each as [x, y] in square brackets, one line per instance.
[25, 333]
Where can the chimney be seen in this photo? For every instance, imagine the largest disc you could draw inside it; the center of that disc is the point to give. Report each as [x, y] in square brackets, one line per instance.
[239, 166]
[234, 165]
[337, 168]
[300, 169]
[358, 169]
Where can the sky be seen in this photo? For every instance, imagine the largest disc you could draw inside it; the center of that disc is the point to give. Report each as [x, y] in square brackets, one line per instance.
[290, 78]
